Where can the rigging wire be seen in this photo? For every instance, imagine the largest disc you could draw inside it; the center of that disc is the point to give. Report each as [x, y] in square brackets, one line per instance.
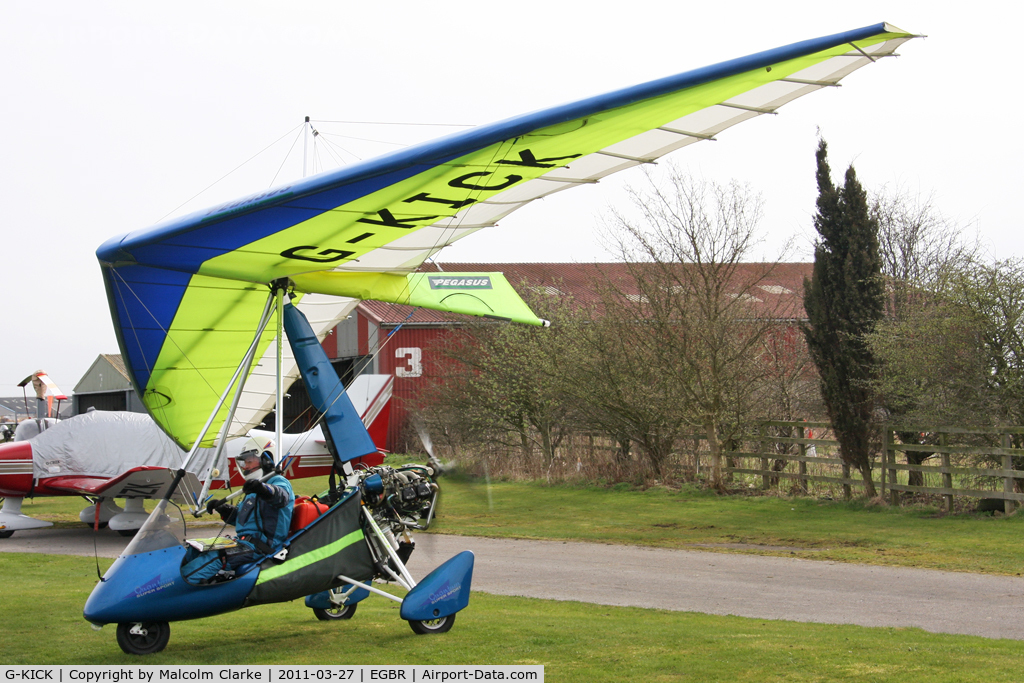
[185, 483]
[329, 148]
[443, 233]
[398, 123]
[227, 174]
[166, 331]
[352, 137]
[439, 240]
[355, 373]
[302, 132]
[300, 129]
[381, 345]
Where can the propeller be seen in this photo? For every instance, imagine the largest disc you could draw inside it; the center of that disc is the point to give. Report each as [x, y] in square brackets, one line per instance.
[449, 466]
[428, 446]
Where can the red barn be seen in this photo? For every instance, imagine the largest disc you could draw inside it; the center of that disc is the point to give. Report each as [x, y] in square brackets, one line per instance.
[402, 341]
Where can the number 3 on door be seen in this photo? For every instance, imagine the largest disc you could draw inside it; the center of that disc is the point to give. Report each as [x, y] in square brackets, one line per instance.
[413, 357]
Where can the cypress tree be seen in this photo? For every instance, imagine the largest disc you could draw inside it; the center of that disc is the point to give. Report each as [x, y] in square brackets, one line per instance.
[844, 299]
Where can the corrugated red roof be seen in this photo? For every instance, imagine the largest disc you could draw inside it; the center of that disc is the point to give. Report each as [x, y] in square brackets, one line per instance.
[780, 292]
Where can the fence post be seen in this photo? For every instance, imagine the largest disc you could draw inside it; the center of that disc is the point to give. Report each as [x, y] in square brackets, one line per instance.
[947, 476]
[886, 440]
[1008, 504]
[890, 456]
[696, 457]
[803, 463]
[847, 492]
[762, 431]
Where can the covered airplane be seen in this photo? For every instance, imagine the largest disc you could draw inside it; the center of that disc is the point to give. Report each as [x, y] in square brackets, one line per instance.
[193, 300]
[106, 455]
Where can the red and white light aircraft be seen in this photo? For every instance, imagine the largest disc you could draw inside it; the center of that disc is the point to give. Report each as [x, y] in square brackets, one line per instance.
[106, 455]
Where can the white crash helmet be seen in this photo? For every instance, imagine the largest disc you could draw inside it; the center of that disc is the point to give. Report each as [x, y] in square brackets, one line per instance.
[257, 458]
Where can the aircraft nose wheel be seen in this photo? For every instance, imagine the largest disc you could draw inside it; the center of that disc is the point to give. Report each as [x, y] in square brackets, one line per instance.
[143, 638]
[442, 625]
[332, 613]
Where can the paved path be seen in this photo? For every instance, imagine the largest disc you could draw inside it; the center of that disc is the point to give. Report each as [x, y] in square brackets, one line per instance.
[685, 580]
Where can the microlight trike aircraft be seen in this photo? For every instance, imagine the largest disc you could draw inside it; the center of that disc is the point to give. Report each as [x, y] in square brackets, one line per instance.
[192, 300]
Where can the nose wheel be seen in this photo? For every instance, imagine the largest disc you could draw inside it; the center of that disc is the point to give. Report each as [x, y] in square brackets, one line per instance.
[442, 625]
[143, 638]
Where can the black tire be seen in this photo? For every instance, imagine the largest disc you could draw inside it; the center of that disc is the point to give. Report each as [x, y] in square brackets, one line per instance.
[6, 534]
[153, 640]
[103, 525]
[442, 625]
[338, 612]
[127, 532]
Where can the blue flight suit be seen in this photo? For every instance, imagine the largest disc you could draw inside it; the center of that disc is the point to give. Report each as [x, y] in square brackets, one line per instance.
[261, 525]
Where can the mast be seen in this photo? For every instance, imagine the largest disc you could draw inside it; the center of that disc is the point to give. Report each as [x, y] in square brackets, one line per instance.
[279, 418]
[305, 143]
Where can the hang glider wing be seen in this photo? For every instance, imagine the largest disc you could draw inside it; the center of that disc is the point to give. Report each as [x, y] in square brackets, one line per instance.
[185, 296]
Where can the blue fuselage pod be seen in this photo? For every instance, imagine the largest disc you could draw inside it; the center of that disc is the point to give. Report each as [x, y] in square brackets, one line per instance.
[326, 392]
[442, 592]
[149, 587]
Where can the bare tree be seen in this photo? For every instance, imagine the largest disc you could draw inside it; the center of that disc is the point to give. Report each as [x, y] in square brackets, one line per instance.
[957, 356]
[921, 250]
[919, 246]
[704, 324]
[617, 382]
[503, 388]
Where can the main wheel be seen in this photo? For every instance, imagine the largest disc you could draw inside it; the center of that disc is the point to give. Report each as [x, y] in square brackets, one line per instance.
[442, 625]
[6, 533]
[337, 612]
[143, 638]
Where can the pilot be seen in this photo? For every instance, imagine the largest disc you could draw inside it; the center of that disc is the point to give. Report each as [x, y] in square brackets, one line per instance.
[261, 521]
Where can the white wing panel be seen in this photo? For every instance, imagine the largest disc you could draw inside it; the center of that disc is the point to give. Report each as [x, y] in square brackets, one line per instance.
[832, 70]
[258, 398]
[651, 145]
[772, 95]
[481, 214]
[709, 121]
[385, 261]
[429, 237]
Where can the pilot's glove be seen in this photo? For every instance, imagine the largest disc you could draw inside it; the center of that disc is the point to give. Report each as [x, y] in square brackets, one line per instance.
[214, 504]
[259, 488]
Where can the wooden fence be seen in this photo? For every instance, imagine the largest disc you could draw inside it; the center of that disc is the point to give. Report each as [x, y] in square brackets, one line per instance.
[772, 457]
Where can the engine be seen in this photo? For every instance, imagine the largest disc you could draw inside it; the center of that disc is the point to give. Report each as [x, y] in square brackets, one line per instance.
[404, 495]
[399, 499]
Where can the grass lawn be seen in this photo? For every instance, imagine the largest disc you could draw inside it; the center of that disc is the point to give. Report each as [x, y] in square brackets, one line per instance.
[690, 518]
[44, 595]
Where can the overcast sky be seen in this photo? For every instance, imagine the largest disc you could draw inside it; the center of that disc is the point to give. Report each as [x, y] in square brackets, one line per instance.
[115, 114]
